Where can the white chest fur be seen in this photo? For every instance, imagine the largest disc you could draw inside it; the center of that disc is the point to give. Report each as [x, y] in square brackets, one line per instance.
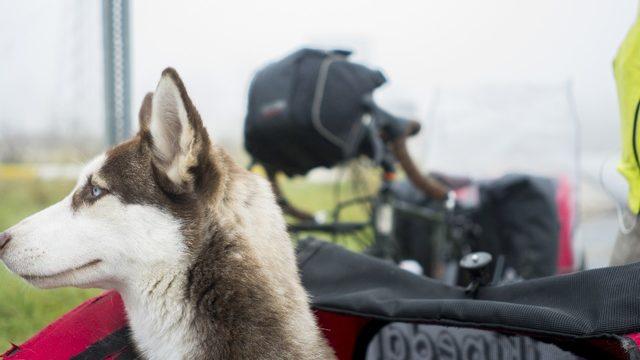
[160, 319]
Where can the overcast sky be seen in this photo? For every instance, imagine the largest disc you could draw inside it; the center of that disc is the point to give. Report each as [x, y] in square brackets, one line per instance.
[51, 64]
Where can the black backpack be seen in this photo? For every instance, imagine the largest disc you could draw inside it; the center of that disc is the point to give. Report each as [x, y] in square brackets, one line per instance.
[311, 109]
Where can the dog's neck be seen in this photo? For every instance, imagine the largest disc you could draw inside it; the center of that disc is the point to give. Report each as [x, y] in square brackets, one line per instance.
[158, 314]
[173, 307]
[235, 295]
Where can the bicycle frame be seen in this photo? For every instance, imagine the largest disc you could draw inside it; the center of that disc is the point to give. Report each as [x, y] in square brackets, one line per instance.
[448, 245]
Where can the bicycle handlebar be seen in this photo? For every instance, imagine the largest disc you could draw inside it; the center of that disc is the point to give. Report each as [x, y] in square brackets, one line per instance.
[428, 185]
[395, 130]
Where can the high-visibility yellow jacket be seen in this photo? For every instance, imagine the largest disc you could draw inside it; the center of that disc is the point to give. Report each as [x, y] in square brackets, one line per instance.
[626, 68]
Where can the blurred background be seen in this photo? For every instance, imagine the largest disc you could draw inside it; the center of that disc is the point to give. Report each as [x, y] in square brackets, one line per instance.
[452, 65]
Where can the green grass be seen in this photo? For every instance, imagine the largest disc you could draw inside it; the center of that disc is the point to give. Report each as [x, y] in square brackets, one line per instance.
[314, 197]
[24, 310]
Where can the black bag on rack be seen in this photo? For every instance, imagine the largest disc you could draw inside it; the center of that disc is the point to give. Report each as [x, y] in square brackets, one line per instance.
[307, 110]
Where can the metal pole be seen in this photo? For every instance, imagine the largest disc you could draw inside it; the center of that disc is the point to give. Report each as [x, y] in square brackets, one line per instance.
[117, 83]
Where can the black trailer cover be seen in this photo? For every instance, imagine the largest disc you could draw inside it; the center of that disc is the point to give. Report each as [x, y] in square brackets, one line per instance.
[580, 312]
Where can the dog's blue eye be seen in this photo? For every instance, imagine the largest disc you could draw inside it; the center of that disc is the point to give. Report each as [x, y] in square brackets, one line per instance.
[96, 191]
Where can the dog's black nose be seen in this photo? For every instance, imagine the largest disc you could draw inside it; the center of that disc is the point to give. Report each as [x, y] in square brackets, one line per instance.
[5, 237]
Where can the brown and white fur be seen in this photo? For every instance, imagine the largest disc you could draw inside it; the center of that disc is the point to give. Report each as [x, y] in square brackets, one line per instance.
[195, 244]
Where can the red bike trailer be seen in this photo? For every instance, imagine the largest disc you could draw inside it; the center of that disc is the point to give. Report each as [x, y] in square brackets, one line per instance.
[360, 302]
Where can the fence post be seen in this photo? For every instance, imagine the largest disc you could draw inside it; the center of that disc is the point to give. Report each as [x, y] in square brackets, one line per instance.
[117, 83]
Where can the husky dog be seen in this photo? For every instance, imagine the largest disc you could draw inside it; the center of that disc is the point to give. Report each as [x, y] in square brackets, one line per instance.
[195, 244]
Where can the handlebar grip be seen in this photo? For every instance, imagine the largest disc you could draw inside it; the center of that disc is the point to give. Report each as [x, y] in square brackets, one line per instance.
[392, 127]
[428, 185]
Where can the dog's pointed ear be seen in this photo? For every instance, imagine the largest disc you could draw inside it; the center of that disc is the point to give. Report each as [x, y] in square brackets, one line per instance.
[172, 128]
[144, 116]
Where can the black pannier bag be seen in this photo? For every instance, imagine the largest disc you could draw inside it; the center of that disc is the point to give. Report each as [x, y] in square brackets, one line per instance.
[516, 216]
[307, 110]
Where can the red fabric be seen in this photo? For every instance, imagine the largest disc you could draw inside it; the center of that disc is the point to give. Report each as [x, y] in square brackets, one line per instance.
[75, 331]
[341, 331]
[635, 337]
[99, 317]
[564, 201]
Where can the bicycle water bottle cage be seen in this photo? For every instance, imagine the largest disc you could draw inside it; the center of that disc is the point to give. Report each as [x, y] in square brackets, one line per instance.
[476, 264]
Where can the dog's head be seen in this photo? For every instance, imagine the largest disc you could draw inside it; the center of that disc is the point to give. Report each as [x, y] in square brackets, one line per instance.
[136, 208]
